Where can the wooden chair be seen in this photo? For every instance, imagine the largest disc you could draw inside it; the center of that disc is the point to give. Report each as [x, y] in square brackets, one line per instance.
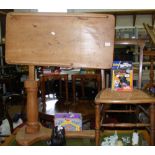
[84, 81]
[15, 106]
[49, 81]
[46, 120]
[136, 98]
[12, 108]
[150, 31]
[151, 84]
[151, 53]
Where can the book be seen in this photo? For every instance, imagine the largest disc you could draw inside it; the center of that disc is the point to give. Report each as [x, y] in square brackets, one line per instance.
[122, 76]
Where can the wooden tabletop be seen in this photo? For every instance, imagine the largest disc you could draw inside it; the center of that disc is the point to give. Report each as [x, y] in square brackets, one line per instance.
[136, 96]
[41, 39]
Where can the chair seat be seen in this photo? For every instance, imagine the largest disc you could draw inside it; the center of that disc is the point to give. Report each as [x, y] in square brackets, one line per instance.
[133, 97]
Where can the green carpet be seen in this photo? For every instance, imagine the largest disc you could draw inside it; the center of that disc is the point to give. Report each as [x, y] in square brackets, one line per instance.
[69, 142]
[143, 140]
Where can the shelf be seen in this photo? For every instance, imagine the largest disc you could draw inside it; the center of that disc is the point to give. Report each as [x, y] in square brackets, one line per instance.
[147, 63]
[149, 53]
[7, 66]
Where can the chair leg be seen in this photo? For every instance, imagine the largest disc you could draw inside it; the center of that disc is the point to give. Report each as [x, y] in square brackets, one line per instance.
[152, 124]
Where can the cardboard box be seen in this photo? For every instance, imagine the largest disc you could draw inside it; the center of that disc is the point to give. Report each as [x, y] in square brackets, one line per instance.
[70, 121]
[122, 76]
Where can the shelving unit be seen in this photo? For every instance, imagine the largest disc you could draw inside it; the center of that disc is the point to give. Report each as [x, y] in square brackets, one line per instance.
[8, 73]
[130, 32]
[2, 86]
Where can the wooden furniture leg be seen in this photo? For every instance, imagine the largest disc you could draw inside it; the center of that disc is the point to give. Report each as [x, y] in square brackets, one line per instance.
[32, 106]
[140, 65]
[73, 88]
[60, 88]
[152, 124]
[43, 92]
[97, 129]
[66, 87]
[82, 81]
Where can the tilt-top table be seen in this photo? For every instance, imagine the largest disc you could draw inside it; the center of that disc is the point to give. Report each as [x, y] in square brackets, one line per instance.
[62, 39]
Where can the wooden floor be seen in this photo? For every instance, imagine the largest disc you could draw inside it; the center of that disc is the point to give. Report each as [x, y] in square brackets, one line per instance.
[53, 106]
[85, 107]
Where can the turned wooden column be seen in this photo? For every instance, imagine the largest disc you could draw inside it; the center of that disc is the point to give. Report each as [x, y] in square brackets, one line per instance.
[31, 86]
[141, 45]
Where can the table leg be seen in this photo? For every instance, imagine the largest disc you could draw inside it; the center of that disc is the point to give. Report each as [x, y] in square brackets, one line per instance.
[82, 87]
[60, 88]
[97, 128]
[152, 124]
[33, 125]
[73, 88]
[66, 86]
